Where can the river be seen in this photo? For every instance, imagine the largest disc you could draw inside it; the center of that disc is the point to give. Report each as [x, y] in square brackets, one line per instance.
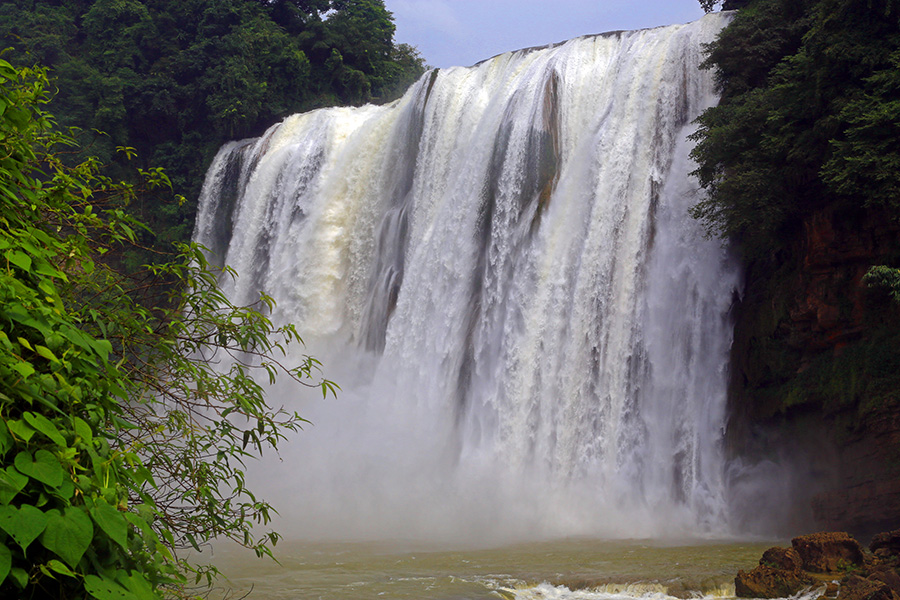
[583, 569]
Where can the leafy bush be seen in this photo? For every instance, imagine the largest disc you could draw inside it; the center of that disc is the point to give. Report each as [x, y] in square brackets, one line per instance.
[121, 440]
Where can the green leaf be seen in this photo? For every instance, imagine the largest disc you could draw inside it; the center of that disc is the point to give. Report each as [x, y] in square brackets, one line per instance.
[43, 425]
[66, 490]
[83, 430]
[5, 562]
[44, 467]
[138, 585]
[23, 524]
[104, 589]
[20, 259]
[20, 429]
[140, 522]
[60, 568]
[11, 483]
[19, 576]
[24, 369]
[6, 441]
[68, 534]
[102, 347]
[111, 521]
[45, 352]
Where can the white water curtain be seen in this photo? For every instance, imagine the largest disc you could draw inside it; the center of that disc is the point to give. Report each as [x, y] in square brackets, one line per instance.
[499, 269]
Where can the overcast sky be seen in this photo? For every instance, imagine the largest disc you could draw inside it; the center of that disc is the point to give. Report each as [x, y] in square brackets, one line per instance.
[462, 32]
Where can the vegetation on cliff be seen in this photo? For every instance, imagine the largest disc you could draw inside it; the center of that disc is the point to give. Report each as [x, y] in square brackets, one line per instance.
[175, 80]
[127, 407]
[801, 163]
[809, 117]
[800, 160]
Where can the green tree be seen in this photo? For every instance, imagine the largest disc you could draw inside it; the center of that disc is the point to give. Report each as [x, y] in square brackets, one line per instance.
[807, 117]
[176, 80]
[120, 440]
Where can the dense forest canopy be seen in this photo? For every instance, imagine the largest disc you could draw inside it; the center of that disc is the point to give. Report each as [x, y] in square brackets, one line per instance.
[809, 117]
[175, 80]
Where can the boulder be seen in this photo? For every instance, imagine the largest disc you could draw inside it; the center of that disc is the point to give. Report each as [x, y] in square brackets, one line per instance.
[786, 559]
[888, 576]
[857, 588]
[828, 552]
[889, 540]
[768, 582]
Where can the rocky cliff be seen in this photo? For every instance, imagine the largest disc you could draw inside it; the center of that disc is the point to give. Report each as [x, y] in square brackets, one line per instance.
[833, 563]
[816, 371]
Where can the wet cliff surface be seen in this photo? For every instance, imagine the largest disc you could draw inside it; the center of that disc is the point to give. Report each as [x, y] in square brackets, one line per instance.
[816, 371]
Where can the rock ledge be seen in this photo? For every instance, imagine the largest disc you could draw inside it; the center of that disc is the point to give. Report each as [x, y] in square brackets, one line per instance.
[834, 561]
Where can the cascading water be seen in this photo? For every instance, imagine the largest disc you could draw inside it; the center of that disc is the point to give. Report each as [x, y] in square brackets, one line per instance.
[499, 269]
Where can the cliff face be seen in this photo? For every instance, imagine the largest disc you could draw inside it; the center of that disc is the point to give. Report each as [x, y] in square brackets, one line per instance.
[816, 371]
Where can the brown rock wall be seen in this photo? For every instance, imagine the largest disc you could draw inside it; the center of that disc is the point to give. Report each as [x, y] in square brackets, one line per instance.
[804, 315]
[828, 552]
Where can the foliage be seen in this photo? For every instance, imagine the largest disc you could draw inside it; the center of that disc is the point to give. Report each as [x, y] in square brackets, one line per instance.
[808, 117]
[124, 421]
[176, 80]
[886, 278]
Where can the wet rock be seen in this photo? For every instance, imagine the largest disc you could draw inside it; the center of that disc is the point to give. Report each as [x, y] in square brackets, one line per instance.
[828, 552]
[831, 589]
[883, 555]
[887, 576]
[857, 588]
[768, 582]
[889, 541]
[786, 559]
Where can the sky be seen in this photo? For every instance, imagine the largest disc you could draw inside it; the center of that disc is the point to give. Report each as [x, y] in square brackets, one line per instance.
[462, 32]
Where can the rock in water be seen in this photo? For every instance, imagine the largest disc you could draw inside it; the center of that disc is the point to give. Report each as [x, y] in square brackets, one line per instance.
[857, 588]
[828, 552]
[784, 572]
[769, 582]
[786, 559]
[778, 575]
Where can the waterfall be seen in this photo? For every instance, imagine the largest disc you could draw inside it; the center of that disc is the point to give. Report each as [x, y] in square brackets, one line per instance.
[499, 269]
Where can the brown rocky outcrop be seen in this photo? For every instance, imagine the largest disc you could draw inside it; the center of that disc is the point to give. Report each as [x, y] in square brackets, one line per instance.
[786, 559]
[888, 541]
[778, 575]
[858, 588]
[888, 577]
[828, 552]
[768, 582]
[833, 560]
[805, 388]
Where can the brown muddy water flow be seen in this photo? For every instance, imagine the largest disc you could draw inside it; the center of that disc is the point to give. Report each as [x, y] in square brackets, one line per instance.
[559, 570]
